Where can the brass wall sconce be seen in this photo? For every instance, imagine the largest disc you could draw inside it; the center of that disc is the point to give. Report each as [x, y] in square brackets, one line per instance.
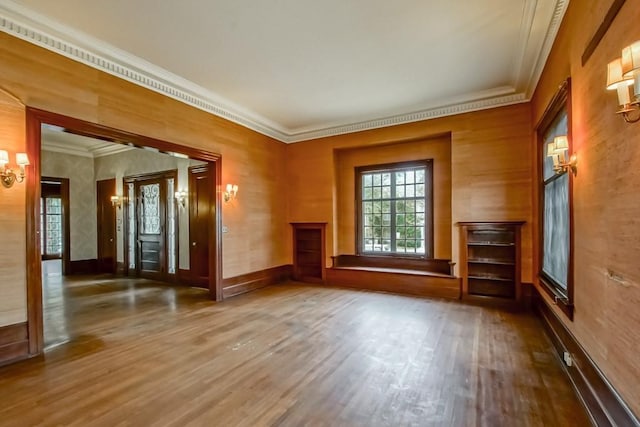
[557, 150]
[622, 73]
[181, 198]
[116, 201]
[231, 192]
[7, 175]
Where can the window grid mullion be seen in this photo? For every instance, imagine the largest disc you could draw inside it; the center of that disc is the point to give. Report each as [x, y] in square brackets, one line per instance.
[393, 211]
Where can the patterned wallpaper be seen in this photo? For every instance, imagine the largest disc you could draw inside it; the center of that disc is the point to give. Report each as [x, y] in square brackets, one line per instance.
[82, 200]
[141, 161]
[87, 171]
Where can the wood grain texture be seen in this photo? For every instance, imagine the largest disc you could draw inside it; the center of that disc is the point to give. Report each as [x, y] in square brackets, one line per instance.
[437, 149]
[50, 82]
[238, 285]
[397, 281]
[13, 307]
[439, 266]
[491, 171]
[286, 355]
[606, 203]
[14, 343]
[602, 401]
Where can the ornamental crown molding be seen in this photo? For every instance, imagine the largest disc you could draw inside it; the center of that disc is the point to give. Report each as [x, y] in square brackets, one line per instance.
[37, 29]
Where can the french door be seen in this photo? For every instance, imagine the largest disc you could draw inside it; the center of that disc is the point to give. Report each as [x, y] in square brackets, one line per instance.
[150, 214]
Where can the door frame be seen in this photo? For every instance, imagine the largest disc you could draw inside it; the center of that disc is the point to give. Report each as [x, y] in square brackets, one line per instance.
[135, 179]
[66, 213]
[34, 120]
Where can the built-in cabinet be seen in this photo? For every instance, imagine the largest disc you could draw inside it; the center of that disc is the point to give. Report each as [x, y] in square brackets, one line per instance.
[490, 259]
[309, 251]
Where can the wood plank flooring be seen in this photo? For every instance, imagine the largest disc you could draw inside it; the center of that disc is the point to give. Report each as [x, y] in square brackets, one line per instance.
[140, 353]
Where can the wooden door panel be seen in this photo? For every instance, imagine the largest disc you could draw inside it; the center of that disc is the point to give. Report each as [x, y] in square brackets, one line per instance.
[200, 207]
[151, 197]
[106, 226]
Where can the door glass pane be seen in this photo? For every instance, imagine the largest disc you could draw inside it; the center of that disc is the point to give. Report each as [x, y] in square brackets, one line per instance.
[150, 209]
[131, 220]
[171, 227]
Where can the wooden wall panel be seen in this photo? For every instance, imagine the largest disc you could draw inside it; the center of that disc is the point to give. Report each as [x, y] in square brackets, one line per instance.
[438, 149]
[256, 163]
[13, 293]
[606, 198]
[490, 172]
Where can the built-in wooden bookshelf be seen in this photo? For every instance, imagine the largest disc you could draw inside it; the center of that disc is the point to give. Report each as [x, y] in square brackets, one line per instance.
[309, 251]
[490, 259]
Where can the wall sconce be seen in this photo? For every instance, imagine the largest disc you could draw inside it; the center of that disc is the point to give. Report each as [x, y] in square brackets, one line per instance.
[116, 201]
[557, 150]
[7, 175]
[621, 74]
[181, 198]
[231, 192]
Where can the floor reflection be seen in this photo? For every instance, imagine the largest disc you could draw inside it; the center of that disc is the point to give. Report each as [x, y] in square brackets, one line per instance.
[56, 330]
[73, 305]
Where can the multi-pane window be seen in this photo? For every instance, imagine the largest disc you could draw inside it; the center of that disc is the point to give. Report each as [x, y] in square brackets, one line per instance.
[51, 227]
[556, 259]
[394, 209]
[555, 254]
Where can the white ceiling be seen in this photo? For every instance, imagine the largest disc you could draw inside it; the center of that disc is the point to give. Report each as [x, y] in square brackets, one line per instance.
[56, 139]
[300, 69]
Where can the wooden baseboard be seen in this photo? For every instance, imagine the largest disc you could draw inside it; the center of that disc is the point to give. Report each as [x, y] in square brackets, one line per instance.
[84, 266]
[14, 343]
[233, 286]
[401, 283]
[603, 403]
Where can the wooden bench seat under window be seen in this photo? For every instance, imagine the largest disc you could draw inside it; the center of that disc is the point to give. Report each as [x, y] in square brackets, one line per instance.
[414, 276]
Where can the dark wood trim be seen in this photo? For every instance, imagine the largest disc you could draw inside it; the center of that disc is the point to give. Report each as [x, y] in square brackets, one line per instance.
[560, 101]
[216, 288]
[603, 403]
[34, 120]
[303, 271]
[83, 266]
[602, 30]
[14, 343]
[428, 196]
[140, 178]
[258, 279]
[407, 282]
[33, 258]
[184, 276]
[438, 266]
[66, 214]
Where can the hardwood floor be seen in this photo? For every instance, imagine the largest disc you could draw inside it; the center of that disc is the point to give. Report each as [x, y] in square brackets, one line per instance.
[140, 353]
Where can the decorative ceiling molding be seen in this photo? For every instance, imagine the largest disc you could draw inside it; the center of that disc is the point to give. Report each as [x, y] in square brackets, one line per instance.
[550, 37]
[41, 31]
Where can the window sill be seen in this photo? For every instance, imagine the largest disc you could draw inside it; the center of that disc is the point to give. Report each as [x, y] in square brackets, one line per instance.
[558, 299]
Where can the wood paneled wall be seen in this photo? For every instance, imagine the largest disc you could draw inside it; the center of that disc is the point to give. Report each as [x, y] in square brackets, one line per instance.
[491, 170]
[438, 149]
[13, 291]
[606, 196]
[257, 237]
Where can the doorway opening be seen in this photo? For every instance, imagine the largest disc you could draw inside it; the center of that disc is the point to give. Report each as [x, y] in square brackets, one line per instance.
[157, 256]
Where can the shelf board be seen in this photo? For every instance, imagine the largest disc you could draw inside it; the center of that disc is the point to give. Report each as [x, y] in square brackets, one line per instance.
[493, 278]
[491, 261]
[490, 244]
